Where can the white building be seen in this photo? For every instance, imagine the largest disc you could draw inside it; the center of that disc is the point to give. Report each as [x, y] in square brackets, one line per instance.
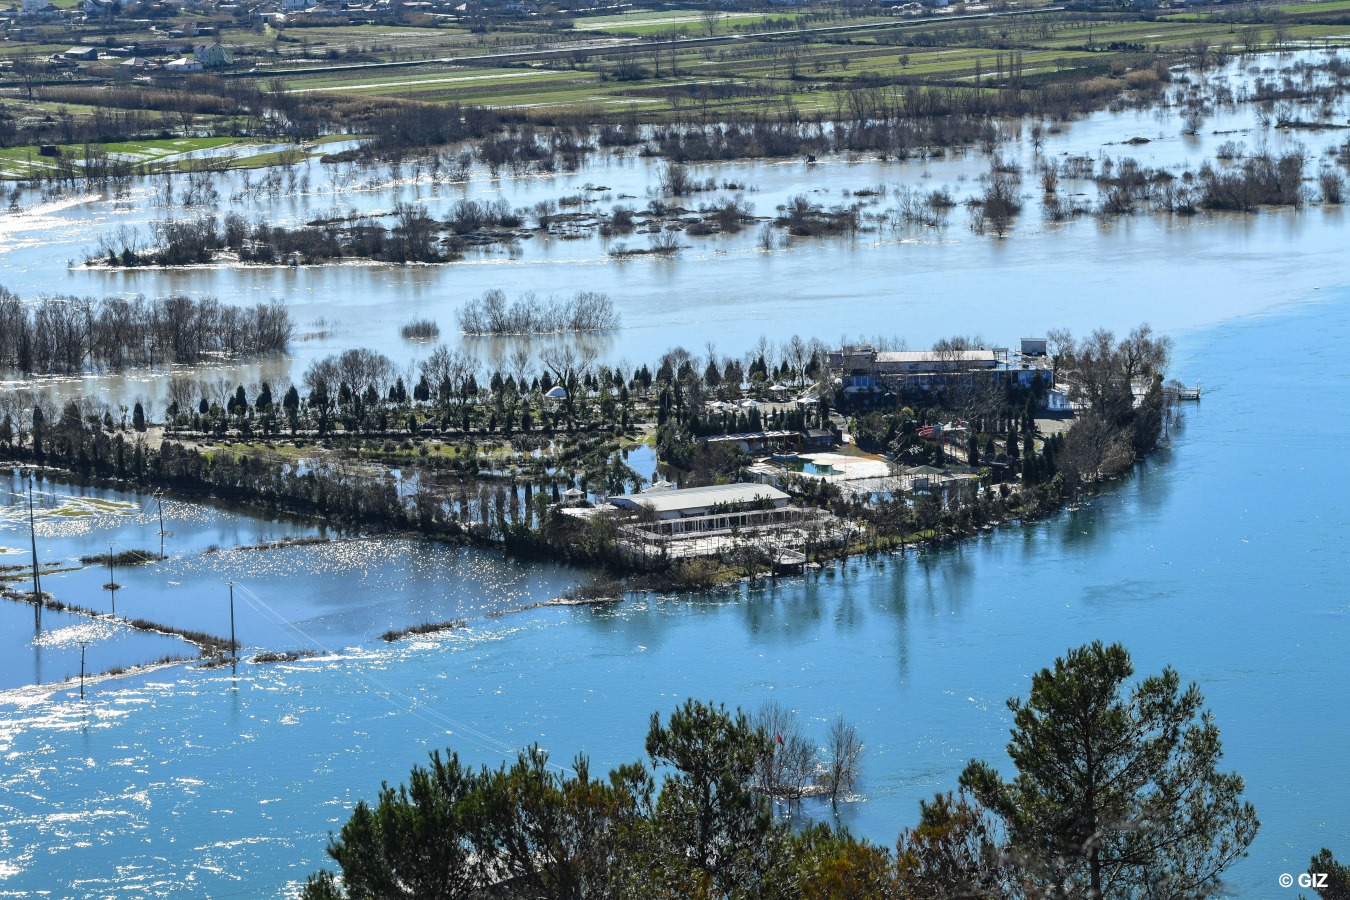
[183, 66]
[211, 55]
[706, 510]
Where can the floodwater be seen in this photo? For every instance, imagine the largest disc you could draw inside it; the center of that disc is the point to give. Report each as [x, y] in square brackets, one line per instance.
[1223, 557]
[313, 592]
[917, 283]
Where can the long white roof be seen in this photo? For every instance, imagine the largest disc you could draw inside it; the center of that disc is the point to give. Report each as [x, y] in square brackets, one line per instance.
[697, 498]
[924, 356]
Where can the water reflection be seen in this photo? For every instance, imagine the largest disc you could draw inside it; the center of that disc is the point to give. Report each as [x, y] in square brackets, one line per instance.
[172, 781]
[918, 281]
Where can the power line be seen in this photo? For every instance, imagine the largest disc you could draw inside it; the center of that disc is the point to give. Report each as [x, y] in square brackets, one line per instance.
[410, 704]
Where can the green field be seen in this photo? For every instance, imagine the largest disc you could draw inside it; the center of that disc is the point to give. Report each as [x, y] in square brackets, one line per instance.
[664, 65]
[810, 71]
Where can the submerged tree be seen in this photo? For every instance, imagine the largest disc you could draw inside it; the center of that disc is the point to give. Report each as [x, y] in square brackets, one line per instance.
[843, 760]
[1118, 792]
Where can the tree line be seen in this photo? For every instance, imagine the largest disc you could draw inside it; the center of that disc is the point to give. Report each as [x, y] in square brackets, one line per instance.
[414, 236]
[1118, 794]
[432, 426]
[69, 335]
[491, 314]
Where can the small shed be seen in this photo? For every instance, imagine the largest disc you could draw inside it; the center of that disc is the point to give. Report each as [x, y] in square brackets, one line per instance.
[925, 478]
[1035, 346]
[817, 438]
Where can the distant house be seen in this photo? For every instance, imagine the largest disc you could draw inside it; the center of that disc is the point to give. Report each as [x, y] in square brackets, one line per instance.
[82, 54]
[34, 7]
[100, 8]
[211, 55]
[136, 64]
[182, 66]
[297, 5]
[187, 29]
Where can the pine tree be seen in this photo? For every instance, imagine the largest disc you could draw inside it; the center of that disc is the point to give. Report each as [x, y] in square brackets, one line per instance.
[1116, 783]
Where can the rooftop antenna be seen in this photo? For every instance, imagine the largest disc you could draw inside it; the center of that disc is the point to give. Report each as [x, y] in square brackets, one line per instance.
[37, 580]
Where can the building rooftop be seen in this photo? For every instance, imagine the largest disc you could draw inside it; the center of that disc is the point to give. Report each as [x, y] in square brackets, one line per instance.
[927, 356]
[697, 498]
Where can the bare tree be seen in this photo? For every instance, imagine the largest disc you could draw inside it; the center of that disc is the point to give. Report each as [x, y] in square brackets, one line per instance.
[842, 770]
[787, 767]
[796, 353]
[448, 372]
[28, 69]
[710, 16]
[521, 365]
[182, 392]
[569, 365]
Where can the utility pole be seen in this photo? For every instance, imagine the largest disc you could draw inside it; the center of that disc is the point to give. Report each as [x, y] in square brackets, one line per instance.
[159, 496]
[83, 644]
[234, 647]
[37, 581]
[112, 585]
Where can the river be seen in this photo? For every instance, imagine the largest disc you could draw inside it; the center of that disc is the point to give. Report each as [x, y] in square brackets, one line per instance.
[1223, 556]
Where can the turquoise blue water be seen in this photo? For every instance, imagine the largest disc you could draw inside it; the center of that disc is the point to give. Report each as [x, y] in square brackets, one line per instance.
[1224, 557]
[810, 468]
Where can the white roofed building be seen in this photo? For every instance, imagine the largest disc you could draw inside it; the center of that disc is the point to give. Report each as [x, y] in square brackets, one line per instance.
[862, 367]
[664, 524]
[684, 503]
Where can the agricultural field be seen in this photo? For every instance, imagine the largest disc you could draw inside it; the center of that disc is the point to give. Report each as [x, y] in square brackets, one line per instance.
[692, 22]
[811, 72]
[637, 66]
[172, 154]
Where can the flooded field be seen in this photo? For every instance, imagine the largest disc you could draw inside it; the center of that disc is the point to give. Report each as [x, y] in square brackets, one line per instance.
[891, 278]
[1223, 557]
